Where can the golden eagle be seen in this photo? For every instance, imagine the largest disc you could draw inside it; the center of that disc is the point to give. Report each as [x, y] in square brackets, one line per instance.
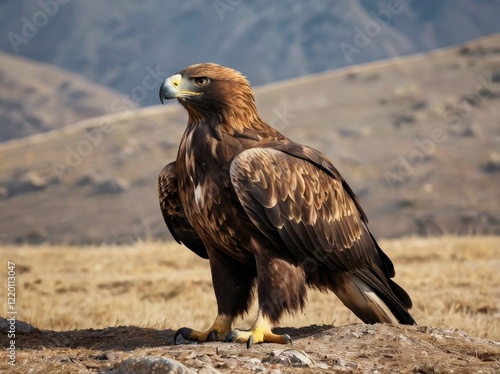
[271, 216]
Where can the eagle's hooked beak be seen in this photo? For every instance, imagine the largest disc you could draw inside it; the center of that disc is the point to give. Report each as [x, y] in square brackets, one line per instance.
[169, 89]
[175, 87]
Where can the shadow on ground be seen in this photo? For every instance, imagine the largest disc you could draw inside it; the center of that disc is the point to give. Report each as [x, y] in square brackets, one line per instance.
[121, 338]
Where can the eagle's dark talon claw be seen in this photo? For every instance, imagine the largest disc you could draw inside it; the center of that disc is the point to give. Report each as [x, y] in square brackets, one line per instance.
[175, 336]
[250, 342]
[231, 337]
[288, 339]
[184, 331]
[212, 336]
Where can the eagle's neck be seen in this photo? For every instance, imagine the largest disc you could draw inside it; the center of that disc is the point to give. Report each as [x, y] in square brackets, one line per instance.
[230, 113]
[222, 124]
[226, 121]
[213, 144]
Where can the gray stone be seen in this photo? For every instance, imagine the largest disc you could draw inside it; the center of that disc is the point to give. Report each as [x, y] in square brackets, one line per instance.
[111, 186]
[290, 357]
[20, 327]
[151, 365]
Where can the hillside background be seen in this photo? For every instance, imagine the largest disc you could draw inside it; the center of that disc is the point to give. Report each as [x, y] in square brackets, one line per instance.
[417, 137]
[113, 42]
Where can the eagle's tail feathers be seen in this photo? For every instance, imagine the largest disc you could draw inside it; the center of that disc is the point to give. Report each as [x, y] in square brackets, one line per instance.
[366, 303]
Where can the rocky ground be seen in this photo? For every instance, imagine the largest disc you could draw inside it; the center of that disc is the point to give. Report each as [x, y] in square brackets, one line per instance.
[114, 309]
[355, 348]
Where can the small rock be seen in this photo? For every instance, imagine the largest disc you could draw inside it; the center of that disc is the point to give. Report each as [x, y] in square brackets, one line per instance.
[289, 357]
[495, 76]
[20, 327]
[92, 178]
[208, 369]
[202, 360]
[349, 364]
[111, 186]
[106, 356]
[419, 105]
[404, 340]
[147, 365]
[493, 163]
[33, 180]
[403, 119]
[254, 364]
[355, 132]
[254, 360]
[229, 363]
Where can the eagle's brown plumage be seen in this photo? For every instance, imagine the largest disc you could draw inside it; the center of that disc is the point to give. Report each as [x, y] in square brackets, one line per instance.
[268, 213]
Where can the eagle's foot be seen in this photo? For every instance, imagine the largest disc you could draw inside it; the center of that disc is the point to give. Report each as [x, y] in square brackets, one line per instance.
[217, 332]
[257, 335]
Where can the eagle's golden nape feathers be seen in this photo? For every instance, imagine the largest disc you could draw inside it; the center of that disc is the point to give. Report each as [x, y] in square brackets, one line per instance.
[272, 216]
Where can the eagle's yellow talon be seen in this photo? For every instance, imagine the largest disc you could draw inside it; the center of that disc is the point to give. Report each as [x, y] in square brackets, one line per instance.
[259, 333]
[220, 328]
[256, 336]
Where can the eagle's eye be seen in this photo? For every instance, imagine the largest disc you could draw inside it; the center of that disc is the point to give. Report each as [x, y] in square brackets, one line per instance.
[201, 81]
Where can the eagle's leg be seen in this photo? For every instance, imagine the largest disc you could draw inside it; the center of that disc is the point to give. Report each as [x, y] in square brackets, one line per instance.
[233, 282]
[281, 288]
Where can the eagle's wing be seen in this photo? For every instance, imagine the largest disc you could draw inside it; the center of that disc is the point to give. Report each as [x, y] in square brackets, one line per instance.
[295, 196]
[173, 212]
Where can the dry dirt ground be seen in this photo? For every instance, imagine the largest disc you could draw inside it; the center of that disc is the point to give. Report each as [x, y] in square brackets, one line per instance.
[115, 309]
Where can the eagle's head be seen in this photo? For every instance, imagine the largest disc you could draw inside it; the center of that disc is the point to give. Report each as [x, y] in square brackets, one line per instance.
[211, 92]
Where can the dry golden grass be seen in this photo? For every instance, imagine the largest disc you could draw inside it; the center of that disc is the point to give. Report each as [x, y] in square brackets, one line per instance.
[453, 281]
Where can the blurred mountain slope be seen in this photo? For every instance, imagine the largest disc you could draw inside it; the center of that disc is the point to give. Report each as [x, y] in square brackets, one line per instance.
[417, 139]
[36, 97]
[115, 42]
